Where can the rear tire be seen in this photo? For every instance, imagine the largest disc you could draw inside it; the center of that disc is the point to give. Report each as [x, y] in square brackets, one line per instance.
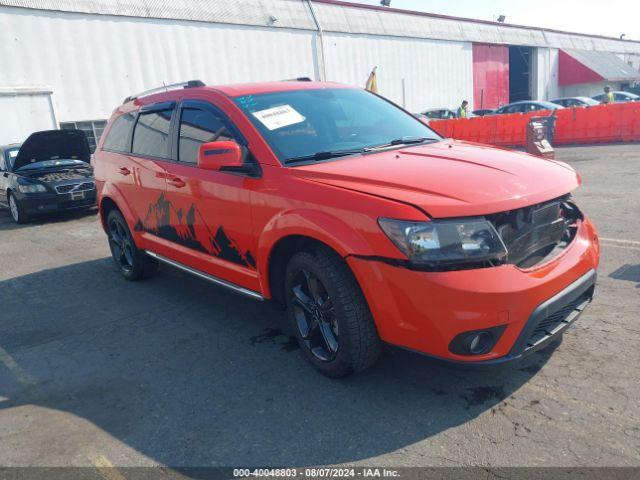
[132, 263]
[329, 314]
[17, 212]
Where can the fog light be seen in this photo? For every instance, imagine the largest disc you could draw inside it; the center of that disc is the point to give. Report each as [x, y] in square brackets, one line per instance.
[476, 342]
[480, 342]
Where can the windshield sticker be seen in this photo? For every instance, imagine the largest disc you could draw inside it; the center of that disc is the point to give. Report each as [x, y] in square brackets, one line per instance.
[278, 117]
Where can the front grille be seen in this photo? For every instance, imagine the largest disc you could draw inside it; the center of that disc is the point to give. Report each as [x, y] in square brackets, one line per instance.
[553, 323]
[75, 187]
[537, 233]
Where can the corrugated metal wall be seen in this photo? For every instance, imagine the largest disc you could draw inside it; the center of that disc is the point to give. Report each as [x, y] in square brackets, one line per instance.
[490, 76]
[93, 62]
[95, 52]
[335, 18]
[415, 73]
[545, 74]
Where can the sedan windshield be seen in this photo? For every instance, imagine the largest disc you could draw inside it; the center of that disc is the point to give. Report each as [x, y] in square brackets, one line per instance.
[311, 125]
[11, 155]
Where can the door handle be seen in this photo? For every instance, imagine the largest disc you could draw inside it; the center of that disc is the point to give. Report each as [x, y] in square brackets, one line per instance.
[125, 171]
[176, 182]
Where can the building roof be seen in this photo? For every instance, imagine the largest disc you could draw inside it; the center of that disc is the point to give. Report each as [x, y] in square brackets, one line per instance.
[586, 66]
[337, 16]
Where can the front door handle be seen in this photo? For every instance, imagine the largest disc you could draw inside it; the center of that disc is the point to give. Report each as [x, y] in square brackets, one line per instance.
[125, 171]
[176, 182]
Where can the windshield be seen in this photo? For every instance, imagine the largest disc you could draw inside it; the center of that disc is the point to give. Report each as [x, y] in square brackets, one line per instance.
[551, 106]
[52, 164]
[329, 123]
[588, 101]
[11, 155]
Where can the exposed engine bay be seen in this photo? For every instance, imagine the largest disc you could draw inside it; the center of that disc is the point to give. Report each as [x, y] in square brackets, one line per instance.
[537, 233]
[76, 173]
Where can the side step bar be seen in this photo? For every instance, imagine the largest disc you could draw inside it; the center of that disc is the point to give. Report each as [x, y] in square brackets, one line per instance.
[206, 276]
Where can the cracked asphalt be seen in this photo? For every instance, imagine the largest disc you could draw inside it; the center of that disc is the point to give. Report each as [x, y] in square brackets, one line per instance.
[174, 371]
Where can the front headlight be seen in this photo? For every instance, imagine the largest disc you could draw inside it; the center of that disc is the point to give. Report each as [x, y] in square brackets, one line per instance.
[31, 188]
[445, 241]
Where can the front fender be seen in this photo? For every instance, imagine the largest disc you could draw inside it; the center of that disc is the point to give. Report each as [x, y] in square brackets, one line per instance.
[111, 192]
[320, 226]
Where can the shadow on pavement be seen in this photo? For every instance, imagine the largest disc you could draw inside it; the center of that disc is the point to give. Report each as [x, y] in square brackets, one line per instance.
[191, 375]
[7, 223]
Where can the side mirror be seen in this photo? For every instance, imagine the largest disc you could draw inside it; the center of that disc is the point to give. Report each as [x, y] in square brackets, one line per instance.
[220, 155]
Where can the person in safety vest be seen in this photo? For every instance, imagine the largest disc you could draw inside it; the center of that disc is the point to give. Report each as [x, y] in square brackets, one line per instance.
[608, 95]
[462, 110]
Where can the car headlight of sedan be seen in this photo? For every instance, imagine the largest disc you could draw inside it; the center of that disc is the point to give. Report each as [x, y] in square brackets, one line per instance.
[31, 188]
[445, 241]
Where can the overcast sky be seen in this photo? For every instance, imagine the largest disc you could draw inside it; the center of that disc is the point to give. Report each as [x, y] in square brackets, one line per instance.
[603, 17]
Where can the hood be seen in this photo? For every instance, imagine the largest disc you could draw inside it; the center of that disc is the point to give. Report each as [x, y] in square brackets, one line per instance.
[449, 178]
[53, 145]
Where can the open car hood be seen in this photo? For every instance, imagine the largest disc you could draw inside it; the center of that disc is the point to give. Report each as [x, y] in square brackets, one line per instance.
[449, 178]
[53, 145]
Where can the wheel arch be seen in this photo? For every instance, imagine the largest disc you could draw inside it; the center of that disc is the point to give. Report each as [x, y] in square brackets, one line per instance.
[112, 198]
[298, 231]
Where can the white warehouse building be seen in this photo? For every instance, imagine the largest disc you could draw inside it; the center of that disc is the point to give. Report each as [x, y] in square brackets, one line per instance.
[68, 63]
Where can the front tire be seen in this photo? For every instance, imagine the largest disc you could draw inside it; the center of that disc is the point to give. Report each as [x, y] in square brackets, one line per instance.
[132, 263]
[329, 314]
[17, 212]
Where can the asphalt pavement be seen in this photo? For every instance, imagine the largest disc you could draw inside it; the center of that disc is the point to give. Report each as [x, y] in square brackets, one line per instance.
[173, 371]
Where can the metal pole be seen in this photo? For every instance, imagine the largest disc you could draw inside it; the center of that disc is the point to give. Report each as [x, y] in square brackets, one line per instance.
[404, 94]
[322, 69]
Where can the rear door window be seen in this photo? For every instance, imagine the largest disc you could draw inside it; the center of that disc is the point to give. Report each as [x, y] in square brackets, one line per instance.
[118, 137]
[199, 126]
[151, 134]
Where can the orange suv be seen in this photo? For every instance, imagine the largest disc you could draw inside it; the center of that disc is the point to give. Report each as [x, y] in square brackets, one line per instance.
[356, 217]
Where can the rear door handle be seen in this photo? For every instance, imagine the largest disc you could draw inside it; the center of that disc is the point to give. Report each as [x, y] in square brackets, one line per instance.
[176, 182]
[125, 171]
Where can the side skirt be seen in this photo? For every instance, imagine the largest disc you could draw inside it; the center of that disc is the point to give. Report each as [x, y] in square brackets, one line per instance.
[206, 276]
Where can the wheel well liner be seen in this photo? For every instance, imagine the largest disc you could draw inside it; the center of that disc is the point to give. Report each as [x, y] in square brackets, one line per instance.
[106, 205]
[279, 257]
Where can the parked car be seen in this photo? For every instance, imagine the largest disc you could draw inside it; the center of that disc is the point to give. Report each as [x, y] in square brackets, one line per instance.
[49, 172]
[422, 118]
[568, 102]
[526, 106]
[483, 111]
[357, 218]
[619, 97]
[439, 113]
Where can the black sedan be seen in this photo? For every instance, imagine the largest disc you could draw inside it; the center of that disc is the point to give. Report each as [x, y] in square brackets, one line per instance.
[619, 97]
[49, 172]
[526, 106]
[569, 102]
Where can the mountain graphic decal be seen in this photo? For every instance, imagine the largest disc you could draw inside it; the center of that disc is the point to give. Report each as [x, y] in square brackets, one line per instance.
[190, 230]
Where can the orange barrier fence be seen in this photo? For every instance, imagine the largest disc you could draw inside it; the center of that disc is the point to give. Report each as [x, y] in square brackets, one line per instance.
[619, 122]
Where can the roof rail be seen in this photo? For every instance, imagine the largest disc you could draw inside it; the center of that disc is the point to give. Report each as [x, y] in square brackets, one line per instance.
[299, 79]
[166, 88]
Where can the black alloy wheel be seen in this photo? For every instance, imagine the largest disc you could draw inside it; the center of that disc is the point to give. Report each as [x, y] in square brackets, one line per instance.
[134, 264]
[121, 244]
[315, 316]
[329, 314]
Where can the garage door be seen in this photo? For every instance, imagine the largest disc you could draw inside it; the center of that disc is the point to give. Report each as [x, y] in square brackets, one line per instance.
[24, 110]
[490, 75]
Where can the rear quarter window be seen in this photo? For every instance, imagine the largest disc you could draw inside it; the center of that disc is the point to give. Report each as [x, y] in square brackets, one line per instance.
[118, 136]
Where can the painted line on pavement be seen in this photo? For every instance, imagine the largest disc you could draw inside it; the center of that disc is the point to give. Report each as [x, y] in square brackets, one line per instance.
[619, 240]
[23, 377]
[105, 467]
